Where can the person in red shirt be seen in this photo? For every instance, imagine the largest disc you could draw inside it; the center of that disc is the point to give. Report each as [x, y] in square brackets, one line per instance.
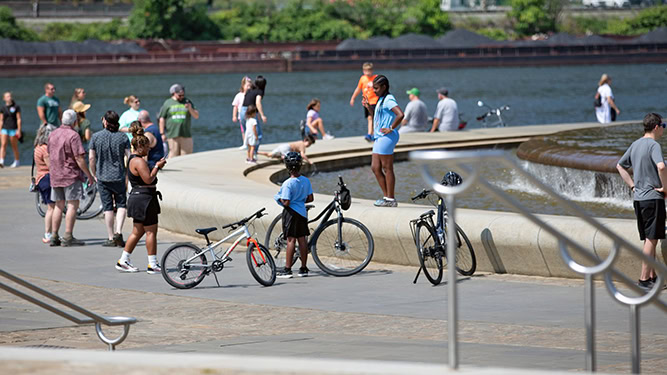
[365, 86]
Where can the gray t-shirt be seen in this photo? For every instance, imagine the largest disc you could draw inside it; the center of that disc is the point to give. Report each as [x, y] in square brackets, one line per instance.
[448, 113]
[110, 151]
[416, 117]
[642, 156]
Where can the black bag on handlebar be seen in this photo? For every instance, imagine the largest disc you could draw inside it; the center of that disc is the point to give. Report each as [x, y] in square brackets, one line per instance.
[345, 198]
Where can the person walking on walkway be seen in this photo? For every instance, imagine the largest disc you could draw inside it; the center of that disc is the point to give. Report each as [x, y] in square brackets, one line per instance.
[129, 116]
[42, 178]
[10, 125]
[142, 206]
[416, 117]
[67, 162]
[48, 106]
[176, 121]
[237, 103]
[365, 87]
[387, 117]
[254, 97]
[108, 149]
[293, 195]
[152, 132]
[79, 95]
[83, 128]
[648, 183]
[446, 118]
[607, 104]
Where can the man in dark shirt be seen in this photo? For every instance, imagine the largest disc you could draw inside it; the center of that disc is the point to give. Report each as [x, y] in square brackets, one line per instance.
[153, 133]
[108, 150]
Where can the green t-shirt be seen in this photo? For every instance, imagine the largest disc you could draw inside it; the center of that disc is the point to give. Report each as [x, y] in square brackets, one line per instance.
[83, 125]
[51, 106]
[177, 118]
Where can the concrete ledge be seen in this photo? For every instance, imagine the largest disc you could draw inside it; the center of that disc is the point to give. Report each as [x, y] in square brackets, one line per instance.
[215, 188]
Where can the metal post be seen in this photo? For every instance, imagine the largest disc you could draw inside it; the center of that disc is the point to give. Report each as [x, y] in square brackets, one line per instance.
[634, 332]
[589, 307]
[452, 317]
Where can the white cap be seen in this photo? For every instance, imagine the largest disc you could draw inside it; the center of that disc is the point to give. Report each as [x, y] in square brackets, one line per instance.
[69, 117]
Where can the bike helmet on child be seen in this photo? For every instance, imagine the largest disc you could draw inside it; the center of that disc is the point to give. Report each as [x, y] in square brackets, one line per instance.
[293, 160]
[451, 178]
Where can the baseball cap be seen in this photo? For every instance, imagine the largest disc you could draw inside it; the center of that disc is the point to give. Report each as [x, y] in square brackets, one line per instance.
[176, 88]
[79, 107]
[414, 91]
[443, 91]
[69, 117]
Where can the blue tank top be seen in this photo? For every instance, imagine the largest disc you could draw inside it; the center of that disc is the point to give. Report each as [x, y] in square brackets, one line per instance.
[156, 153]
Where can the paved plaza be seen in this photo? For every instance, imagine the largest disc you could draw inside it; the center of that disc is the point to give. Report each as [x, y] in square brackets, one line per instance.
[505, 321]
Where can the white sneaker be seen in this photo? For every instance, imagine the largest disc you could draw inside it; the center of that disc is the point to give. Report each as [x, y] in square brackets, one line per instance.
[243, 147]
[153, 269]
[15, 164]
[2, 163]
[126, 267]
[328, 136]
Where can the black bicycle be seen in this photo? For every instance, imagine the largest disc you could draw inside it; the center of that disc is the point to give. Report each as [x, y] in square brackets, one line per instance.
[431, 241]
[89, 207]
[340, 246]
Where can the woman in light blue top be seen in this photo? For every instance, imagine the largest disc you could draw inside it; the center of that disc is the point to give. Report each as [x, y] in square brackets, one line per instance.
[387, 118]
[129, 116]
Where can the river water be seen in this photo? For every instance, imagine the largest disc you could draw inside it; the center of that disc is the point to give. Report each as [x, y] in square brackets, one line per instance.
[536, 95]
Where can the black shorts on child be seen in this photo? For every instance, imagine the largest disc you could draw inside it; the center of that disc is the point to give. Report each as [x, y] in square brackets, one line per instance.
[294, 225]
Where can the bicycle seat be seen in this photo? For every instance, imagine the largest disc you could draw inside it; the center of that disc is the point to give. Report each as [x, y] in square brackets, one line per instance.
[426, 214]
[205, 231]
[309, 206]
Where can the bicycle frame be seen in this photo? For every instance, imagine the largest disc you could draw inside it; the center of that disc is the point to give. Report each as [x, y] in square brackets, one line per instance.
[325, 215]
[242, 233]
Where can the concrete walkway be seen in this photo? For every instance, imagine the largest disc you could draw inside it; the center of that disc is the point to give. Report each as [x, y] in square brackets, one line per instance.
[507, 321]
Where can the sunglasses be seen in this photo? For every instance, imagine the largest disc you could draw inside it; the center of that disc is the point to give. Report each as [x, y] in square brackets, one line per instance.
[137, 101]
[663, 125]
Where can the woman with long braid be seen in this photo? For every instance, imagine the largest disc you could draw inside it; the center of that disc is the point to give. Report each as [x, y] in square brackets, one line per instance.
[387, 117]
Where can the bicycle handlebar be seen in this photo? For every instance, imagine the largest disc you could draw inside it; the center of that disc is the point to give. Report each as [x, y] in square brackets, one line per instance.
[241, 222]
[421, 195]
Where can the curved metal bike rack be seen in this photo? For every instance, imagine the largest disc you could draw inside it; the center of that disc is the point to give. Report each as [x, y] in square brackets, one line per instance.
[93, 318]
[467, 163]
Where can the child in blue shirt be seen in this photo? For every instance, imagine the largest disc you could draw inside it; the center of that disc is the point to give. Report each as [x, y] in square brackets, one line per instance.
[293, 195]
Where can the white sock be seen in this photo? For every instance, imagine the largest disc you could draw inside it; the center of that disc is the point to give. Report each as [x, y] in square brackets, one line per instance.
[389, 199]
[152, 260]
[125, 257]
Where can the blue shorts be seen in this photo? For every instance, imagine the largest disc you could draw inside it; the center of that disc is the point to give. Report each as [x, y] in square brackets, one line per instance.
[385, 144]
[9, 132]
[44, 187]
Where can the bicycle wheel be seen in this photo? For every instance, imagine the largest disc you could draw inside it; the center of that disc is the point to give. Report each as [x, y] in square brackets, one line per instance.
[261, 265]
[91, 204]
[40, 205]
[346, 255]
[430, 256]
[277, 243]
[466, 263]
[178, 271]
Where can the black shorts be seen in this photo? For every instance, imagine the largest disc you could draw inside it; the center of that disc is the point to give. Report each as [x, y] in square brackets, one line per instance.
[44, 188]
[143, 207]
[294, 225]
[112, 191]
[366, 113]
[650, 219]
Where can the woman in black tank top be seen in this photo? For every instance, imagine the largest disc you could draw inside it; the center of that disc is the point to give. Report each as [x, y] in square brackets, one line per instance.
[142, 205]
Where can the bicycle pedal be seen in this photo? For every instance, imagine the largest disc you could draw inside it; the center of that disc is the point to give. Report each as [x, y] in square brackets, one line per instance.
[227, 260]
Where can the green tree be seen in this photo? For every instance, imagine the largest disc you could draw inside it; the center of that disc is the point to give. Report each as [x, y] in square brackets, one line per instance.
[531, 17]
[9, 29]
[647, 20]
[172, 19]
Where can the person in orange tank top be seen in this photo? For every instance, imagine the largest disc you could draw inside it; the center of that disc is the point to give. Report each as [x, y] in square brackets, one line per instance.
[365, 86]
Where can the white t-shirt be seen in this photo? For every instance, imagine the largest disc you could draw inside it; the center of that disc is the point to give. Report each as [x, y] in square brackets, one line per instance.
[238, 102]
[603, 112]
[250, 137]
[448, 114]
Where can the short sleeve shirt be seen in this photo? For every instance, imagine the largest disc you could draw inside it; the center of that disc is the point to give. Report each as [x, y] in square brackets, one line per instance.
[312, 115]
[50, 106]
[177, 118]
[448, 114]
[83, 125]
[41, 169]
[63, 147]
[296, 190]
[642, 156]
[127, 118]
[9, 113]
[238, 100]
[366, 86]
[110, 151]
[416, 116]
[384, 116]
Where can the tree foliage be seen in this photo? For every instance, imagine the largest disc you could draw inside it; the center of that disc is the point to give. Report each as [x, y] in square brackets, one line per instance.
[171, 19]
[535, 16]
[10, 29]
